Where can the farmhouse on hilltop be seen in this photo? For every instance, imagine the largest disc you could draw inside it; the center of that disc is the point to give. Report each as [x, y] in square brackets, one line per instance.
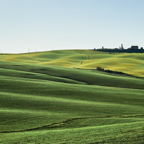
[134, 47]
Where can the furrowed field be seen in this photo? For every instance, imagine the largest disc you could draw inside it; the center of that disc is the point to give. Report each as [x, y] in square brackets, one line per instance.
[60, 97]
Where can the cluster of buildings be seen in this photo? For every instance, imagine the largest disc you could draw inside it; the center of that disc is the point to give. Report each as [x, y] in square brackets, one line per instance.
[133, 47]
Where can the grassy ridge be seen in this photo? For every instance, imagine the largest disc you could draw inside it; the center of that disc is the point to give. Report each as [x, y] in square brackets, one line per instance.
[131, 63]
[44, 103]
[132, 133]
[61, 74]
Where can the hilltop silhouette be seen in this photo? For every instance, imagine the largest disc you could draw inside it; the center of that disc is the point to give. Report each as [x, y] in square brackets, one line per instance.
[132, 49]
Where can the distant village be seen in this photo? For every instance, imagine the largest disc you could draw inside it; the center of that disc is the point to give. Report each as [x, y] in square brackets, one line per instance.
[132, 49]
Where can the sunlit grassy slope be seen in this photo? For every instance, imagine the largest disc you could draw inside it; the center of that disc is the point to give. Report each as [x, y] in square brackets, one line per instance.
[44, 99]
[131, 63]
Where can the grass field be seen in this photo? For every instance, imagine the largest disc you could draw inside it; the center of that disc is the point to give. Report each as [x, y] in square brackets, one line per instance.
[60, 97]
[131, 63]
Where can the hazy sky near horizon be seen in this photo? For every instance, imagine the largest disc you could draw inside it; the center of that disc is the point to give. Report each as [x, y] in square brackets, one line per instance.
[41, 25]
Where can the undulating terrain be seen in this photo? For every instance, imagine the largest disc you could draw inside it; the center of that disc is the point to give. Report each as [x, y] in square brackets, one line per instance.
[60, 97]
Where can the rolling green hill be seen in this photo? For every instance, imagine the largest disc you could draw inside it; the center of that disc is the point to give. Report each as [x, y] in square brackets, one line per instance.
[131, 63]
[60, 97]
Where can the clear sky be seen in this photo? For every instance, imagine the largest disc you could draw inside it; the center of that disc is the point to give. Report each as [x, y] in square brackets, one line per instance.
[41, 25]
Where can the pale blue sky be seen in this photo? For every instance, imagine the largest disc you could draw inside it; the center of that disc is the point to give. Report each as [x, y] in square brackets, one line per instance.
[41, 25]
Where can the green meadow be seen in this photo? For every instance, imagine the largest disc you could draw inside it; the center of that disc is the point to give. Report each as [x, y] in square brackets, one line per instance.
[59, 97]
